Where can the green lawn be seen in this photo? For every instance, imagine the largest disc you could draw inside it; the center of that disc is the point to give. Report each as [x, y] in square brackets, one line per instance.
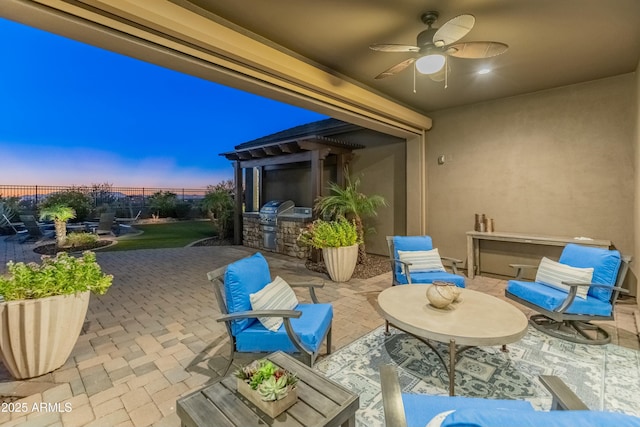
[167, 235]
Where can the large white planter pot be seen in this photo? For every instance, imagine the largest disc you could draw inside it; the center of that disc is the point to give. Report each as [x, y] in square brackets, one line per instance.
[340, 262]
[38, 335]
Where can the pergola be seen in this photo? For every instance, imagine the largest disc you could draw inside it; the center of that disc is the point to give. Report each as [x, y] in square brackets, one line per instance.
[317, 150]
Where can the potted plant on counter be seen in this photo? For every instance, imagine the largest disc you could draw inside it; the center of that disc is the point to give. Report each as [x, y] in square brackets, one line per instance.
[339, 243]
[42, 310]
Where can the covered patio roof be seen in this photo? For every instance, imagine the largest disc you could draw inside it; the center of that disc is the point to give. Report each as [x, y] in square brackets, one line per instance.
[287, 151]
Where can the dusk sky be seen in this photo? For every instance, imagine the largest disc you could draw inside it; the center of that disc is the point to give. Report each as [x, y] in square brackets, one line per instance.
[74, 114]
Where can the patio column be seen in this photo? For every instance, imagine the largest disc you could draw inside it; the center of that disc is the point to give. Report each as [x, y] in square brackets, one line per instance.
[237, 219]
[417, 221]
[317, 166]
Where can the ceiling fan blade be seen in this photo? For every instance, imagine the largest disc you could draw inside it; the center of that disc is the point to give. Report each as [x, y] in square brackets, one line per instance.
[394, 48]
[477, 49]
[453, 30]
[395, 69]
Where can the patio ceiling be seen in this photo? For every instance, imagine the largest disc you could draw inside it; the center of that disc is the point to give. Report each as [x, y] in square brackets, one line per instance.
[551, 43]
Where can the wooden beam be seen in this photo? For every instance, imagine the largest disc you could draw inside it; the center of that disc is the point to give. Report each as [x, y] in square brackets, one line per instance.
[261, 200]
[317, 167]
[279, 160]
[232, 156]
[272, 150]
[289, 147]
[257, 153]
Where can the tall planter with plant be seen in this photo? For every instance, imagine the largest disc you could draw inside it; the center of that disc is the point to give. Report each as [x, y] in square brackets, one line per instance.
[42, 310]
[339, 243]
[352, 204]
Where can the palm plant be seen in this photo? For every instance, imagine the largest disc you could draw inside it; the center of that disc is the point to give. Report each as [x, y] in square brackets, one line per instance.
[350, 203]
[219, 205]
[60, 214]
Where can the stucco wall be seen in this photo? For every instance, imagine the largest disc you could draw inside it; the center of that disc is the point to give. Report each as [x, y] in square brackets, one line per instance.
[556, 162]
[381, 170]
[635, 266]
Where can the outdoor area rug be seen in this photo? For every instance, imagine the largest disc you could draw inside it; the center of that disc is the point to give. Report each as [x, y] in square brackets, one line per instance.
[604, 377]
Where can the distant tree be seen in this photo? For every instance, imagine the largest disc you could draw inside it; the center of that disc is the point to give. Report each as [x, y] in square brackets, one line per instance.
[102, 194]
[163, 203]
[74, 198]
[218, 203]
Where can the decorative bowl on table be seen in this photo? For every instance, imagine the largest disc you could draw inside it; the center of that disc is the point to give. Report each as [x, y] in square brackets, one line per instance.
[441, 294]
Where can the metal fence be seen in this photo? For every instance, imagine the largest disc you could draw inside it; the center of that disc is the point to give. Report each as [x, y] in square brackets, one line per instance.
[125, 201]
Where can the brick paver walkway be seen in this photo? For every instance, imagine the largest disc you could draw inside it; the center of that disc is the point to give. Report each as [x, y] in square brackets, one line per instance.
[153, 337]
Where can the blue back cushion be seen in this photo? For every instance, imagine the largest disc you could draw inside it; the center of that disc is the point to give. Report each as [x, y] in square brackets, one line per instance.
[410, 243]
[509, 418]
[244, 277]
[419, 409]
[605, 263]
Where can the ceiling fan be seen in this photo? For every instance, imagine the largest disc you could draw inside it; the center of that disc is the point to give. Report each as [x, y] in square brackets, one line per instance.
[435, 45]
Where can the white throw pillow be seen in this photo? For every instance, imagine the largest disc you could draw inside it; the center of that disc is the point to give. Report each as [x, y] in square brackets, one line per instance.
[276, 295]
[422, 260]
[438, 419]
[553, 273]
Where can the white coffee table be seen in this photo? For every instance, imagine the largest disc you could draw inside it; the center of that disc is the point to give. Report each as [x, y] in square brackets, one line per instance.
[477, 320]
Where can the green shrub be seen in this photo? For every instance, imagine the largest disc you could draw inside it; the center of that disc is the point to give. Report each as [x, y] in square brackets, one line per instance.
[60, 275]
[75, 199]
[329, 234]
[80, 239]
[218, 203]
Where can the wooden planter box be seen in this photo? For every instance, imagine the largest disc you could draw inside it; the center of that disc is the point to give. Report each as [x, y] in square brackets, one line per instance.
[271, 408]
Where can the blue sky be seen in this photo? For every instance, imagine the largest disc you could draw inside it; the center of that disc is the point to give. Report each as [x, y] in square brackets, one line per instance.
[74, 114]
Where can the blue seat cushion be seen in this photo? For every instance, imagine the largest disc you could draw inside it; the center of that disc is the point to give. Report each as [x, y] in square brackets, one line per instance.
[244, 277]
[605, 263]
[420, 243]
[419, 409]
[551, 298]
[310, 328]
[481, 417]
[421, 277]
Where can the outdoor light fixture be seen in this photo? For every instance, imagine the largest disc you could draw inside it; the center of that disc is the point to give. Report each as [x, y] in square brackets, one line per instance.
[430, 63]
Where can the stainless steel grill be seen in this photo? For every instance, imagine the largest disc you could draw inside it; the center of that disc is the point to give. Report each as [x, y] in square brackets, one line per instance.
[269, 220]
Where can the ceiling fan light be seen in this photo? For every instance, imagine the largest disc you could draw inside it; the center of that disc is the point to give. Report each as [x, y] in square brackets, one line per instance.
[429, 64]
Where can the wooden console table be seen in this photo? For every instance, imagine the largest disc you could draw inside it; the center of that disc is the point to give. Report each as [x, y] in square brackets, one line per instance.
[474, 237]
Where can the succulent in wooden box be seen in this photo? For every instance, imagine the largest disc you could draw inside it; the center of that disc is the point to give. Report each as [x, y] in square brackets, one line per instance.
[270, 381]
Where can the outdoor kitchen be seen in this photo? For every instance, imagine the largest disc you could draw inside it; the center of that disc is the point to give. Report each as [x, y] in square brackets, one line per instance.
[276, 227]
[282, 175]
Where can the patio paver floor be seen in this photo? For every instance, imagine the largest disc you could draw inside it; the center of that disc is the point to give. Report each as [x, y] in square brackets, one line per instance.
[153, 337]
